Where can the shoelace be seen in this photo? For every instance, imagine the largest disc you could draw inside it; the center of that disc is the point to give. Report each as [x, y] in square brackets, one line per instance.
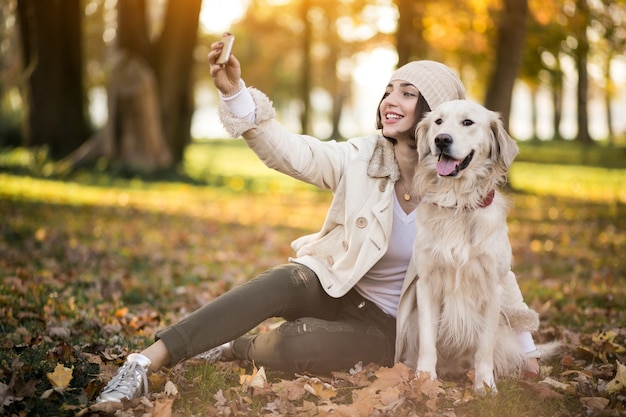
[211, 355]
[122, 383]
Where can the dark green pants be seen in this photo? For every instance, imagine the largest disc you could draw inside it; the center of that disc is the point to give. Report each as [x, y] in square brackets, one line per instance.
[321, 333]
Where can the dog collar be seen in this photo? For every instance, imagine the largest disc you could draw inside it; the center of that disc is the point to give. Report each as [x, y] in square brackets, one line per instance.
[485, 202]
[488, 199]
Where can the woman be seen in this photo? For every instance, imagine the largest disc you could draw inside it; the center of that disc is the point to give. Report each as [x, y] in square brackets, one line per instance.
[340, 294]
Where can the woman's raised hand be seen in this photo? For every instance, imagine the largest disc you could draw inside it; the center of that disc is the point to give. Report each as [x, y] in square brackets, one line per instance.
[226, 77]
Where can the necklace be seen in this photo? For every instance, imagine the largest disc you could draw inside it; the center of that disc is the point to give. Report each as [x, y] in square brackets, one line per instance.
[407, 195]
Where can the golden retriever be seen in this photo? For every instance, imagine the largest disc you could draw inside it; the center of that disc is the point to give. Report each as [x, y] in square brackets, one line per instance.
[462, 252]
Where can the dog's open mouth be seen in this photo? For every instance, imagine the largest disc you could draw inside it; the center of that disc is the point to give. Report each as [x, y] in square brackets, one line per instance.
[449, 167]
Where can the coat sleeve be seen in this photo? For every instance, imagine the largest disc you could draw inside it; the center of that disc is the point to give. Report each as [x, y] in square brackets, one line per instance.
[300, 156]
[520, 317]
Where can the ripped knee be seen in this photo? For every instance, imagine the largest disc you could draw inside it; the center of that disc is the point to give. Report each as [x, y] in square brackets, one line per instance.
[301, 276]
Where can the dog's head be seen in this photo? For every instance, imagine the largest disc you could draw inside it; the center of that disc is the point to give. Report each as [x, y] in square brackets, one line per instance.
[462, 135]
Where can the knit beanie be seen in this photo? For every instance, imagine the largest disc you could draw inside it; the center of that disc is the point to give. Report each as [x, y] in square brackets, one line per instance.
[435, 81]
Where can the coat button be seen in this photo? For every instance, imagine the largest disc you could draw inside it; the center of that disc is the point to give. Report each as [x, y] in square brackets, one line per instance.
[345, 245]
[382, 186]
[361, 222]
[329, 261]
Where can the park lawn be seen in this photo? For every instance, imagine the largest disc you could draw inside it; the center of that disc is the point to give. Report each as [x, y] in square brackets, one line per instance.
[93, 264]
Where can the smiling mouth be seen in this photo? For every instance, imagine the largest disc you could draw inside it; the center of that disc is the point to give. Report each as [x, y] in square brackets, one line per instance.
[393, 116]
[450, 167]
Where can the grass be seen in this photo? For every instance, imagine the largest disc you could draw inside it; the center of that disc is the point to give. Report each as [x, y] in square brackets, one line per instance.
[94, 262]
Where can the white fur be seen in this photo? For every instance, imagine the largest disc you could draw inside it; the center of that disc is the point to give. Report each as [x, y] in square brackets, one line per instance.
[462, 251]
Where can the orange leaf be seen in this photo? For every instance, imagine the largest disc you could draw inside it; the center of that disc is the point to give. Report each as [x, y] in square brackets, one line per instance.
[61, 377]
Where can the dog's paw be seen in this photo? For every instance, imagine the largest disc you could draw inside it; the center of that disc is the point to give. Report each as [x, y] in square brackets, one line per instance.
[485, 383]
[421, 373]
[485, 389]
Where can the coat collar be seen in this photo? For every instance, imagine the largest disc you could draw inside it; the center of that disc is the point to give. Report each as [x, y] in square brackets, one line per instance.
[383, 162]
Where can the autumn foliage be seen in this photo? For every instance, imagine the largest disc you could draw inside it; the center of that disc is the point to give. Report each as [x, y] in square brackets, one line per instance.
[91, 267]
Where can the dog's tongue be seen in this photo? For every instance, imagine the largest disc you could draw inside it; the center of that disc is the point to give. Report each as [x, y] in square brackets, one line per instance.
[446, 166]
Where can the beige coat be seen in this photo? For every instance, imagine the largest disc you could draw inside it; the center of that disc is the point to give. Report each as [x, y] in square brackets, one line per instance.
[361, 174]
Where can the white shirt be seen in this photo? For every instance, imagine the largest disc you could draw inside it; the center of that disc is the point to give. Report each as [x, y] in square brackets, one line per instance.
[383, 283]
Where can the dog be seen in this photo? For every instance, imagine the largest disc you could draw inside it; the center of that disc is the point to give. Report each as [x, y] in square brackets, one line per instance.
[462, 252]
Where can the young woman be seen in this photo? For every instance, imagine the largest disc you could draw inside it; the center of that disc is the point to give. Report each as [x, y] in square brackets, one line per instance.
[340, 293]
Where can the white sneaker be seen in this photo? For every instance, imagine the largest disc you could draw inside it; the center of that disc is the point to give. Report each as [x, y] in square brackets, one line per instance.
[131, 380]
[219, 353]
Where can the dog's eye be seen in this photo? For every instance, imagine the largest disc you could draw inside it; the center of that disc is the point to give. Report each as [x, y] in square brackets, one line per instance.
[439, 121]
[467, 122]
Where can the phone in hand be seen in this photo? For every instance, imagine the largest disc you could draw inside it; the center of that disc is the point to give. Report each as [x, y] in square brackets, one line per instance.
[228, 41]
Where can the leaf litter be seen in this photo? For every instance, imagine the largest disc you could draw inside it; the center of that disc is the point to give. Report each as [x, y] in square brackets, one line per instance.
[83, 286]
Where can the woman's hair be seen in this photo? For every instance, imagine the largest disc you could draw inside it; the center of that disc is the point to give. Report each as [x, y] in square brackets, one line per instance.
[421, 109]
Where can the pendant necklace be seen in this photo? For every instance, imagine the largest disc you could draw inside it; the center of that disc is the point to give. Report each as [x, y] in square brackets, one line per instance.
[407, 196]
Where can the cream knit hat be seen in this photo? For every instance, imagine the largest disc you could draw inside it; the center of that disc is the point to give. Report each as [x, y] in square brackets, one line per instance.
[435, 81]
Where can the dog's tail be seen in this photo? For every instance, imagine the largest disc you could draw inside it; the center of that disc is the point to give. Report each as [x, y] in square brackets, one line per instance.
[550, 349]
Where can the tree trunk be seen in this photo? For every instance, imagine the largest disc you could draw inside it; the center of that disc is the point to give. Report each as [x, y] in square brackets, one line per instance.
[557, 101]
[305, 80]
[581, 55]
[533, 112]
[51, 45]
[509, 50]
[174, 73]
[608, 97]
[410, 43]
[150, 90]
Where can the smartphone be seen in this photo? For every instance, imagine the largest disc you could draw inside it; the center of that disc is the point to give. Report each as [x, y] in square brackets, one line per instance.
[228, 41]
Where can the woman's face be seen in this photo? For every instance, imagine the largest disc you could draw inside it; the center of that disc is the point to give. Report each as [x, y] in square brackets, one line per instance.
[398, 110]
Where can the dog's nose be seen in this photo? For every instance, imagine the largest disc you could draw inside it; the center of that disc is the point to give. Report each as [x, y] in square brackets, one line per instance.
[443, 140]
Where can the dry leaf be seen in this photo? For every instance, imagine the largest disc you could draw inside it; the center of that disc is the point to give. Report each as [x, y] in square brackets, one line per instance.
[61, 377]
[6, 397]
[256, 380]
[170, 389]
[619, 382]
[163, 407]
[596, 403]
[553, 383]
[320, 389]
[289, 390]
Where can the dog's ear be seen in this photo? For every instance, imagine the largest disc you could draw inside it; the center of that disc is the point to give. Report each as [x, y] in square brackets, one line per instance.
[421, 137]
[505, 149]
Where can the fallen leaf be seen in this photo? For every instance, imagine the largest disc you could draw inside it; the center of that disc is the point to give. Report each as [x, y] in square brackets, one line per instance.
[595, 403]
[320, 389]
[553, 383]
[6, 397]
[163, 407]
[256, 380]
[619, 382]
[170, 389]
[61, 377]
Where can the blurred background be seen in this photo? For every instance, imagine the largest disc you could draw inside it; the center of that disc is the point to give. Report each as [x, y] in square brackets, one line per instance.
[128, 80]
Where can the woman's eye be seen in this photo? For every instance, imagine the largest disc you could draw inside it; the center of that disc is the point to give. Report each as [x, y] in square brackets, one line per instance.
[467, 122]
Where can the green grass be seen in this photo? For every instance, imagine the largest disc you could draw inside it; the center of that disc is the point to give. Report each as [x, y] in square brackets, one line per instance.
[113, 257]
[567, 152]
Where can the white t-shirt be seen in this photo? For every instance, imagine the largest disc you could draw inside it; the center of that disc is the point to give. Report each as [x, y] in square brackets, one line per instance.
[383, 283]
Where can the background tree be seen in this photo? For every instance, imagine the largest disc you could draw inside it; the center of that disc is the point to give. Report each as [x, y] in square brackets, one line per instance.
[541, 64]
[511, 30]
[580, 52]
[53, 74]
[150, 94]
[410, 42]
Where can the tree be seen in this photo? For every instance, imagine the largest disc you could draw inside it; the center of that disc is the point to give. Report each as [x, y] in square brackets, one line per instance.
[580, 23]
[410, 42]
[53, 72]
[541, 65]
[511, 30]
[149, 89]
